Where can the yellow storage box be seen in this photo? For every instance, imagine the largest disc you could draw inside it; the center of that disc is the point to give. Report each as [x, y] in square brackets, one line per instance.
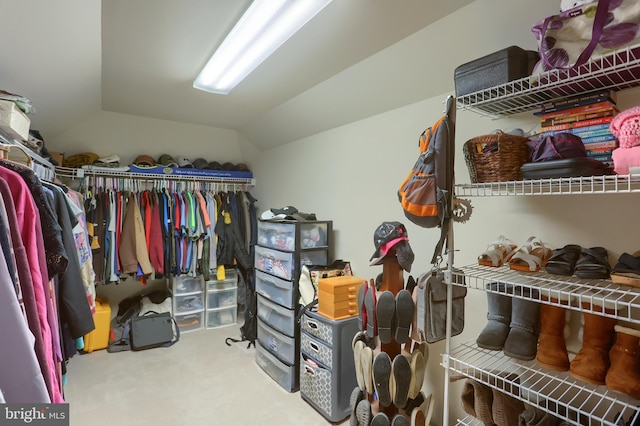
[338, 297]
[99, 338]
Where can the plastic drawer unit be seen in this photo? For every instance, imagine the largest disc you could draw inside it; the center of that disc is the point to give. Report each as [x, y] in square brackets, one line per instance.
[292, 236]
[286, 265]
[190, 322]
[230, 281]
[188, 302]
[285, 375]
[278, 317]
[278, 263]
[222, 298]
[222, 317]
[285, 348]
[283, 292]
[327, 371]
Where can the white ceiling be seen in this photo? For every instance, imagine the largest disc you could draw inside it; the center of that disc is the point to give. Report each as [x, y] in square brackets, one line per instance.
[72, 58]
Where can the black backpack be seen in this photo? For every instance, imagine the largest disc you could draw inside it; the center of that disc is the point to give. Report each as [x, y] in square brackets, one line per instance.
[249, 330]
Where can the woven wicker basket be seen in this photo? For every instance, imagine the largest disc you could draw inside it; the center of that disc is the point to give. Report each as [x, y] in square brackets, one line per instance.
[496, 157]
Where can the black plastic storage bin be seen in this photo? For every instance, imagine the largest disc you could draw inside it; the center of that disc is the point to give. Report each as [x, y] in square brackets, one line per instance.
[503, 66]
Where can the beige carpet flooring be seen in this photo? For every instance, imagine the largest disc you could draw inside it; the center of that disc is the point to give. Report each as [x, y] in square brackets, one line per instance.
[197, 381]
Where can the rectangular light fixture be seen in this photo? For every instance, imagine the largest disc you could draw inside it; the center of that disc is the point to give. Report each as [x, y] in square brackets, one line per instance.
[264, 27]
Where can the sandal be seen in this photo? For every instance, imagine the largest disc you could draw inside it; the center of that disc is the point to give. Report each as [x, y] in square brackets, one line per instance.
[530, 256]
[593, 264]
[563, 261]
[627, 270]
[497, 252]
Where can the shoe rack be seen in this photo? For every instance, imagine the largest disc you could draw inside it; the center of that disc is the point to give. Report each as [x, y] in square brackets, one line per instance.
[393, 281]
[558, 393]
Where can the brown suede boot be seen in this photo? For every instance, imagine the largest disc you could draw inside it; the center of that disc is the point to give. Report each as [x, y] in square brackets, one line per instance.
[624, 373]
[592, 362]
[552, 348]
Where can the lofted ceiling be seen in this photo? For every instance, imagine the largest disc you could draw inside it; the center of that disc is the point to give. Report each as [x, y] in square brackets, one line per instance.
[73, 58]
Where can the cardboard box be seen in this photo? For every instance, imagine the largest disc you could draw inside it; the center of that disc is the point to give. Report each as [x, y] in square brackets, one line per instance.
[58, 157]
[13, 121]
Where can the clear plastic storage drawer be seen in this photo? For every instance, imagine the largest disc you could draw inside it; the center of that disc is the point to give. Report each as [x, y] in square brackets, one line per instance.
[230, 281]
[282, 235]
[284, 347]
[285, 375]
[276, 289]
[190, 322]
[275, 262]
[188, 303]
[221, 317]
[222, 298]
[279, 318]
[185, 284]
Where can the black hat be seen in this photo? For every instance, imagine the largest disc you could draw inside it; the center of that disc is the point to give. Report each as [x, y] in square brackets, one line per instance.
[392, 235]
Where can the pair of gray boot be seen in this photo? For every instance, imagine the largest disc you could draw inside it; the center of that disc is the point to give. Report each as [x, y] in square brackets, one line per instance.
[512, 321]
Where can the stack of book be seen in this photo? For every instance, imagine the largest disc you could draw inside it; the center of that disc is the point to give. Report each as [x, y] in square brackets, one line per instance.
[587, 116]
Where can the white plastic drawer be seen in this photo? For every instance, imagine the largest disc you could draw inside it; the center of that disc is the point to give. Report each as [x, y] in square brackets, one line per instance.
[222, 298]
[283, 374]
[313, 257]
[278, 235]
[188, 303]
[231, 280]
[222, 317]
[283, 347]
[276, 289]
[278, 317]
[185, 284]
[190, 322]
[275, 262]
[282, 235]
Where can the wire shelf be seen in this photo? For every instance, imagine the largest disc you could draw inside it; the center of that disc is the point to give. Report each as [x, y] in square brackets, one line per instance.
[469, 421]
[618, 70]
[620, 301]
[78, 173]
[609, 184]
[557, 393]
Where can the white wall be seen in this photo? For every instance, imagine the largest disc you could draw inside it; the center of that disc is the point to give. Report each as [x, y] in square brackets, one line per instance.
[351, 174]
[128, 136]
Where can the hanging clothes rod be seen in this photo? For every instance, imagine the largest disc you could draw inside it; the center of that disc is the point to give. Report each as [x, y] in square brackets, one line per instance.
[77, 173]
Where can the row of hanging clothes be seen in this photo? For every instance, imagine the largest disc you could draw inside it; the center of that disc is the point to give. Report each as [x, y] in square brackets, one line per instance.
[149, 229]
[47, 293]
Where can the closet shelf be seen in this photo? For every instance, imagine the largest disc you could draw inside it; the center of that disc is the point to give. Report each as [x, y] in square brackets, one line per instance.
[78, 173]
[553, 186]
[619, 70]
[623, 301]
[558, 393]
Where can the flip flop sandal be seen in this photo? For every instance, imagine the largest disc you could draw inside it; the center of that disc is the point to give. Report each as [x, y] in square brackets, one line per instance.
[563, 261]
[530, 257]
[593, 264]
[627, 270]
[497, 252]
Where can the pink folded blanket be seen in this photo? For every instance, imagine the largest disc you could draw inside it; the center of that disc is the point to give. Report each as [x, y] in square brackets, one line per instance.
[623, 158]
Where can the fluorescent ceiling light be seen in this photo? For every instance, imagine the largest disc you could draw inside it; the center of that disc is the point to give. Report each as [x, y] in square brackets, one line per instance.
[264, 27]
